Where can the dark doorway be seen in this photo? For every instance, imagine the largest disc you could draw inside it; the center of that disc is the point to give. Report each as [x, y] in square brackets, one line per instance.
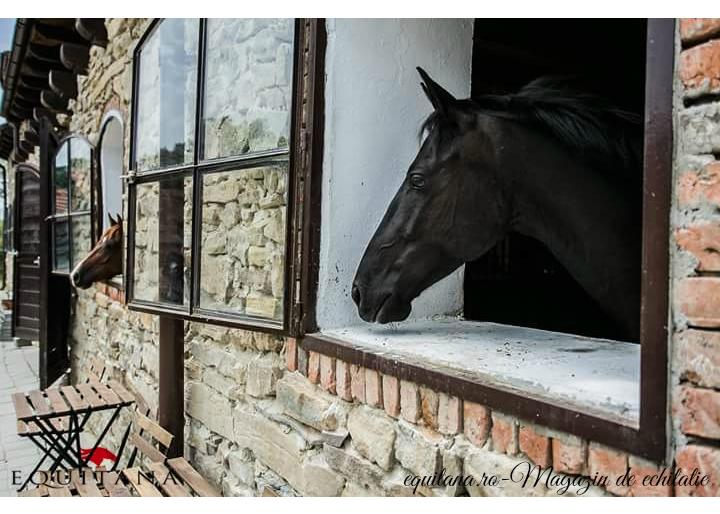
[26, 272]
[520, 282]
[55, 289]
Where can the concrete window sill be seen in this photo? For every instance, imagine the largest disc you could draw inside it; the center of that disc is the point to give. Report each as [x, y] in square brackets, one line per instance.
[597, 377]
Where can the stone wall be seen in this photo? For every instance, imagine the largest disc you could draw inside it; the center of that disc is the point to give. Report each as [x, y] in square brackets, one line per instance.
[264, 417]
[100, 324]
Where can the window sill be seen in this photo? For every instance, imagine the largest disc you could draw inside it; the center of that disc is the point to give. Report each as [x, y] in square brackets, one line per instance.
[588, 387]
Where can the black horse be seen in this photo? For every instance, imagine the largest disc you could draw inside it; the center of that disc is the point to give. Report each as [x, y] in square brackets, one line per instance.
[548, 162]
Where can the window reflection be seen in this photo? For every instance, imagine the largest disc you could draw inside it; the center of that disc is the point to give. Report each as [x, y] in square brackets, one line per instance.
[61, 247]
[248, 85]
[81, 237]
[243, 241]
[166, 100]
[163, 240]
[60, 181]
[80, 174]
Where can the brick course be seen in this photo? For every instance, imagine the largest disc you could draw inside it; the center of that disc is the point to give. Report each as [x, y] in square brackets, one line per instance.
[707, 461]
[698, 357]
[698, 298]
[699, 412]
[535, 445]
[698, 29]
[699, 69]
[569, 454]
[702, 240]
[611, 463]
[696, 187]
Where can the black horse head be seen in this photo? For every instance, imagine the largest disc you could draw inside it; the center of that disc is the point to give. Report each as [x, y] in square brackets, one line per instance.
[423, 236]
[550, 162]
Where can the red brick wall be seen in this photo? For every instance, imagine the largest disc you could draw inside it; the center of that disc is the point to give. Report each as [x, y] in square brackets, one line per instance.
[696, 269]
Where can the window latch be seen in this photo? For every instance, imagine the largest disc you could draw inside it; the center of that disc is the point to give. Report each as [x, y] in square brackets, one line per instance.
[129, 177]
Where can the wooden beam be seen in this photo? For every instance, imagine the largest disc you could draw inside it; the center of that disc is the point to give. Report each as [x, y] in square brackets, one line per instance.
[18, 114]
[171, 382]
[31, 137]
[25, 102]
[32, 82]
[53, 102]
[75, 57]
[63, 83]
[19, 155]
[58, 33]
[39, 68]
[93, 30]
[44, 53]
[39, 113]
[26, 146]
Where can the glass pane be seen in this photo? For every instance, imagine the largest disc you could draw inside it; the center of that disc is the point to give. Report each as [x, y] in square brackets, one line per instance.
[80, 175]
[163, 238]
[166, 95]
[61, 179]
[248, 85]
[80, 237]
[61, 245]
[243, 241]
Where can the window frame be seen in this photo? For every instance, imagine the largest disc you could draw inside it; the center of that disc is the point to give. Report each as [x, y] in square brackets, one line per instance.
[649, 438]
[98, 189]
[53, 217]
[3, 233]
[299, 156]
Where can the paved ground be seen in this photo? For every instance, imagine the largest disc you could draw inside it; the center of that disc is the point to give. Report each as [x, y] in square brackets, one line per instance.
[18, 372]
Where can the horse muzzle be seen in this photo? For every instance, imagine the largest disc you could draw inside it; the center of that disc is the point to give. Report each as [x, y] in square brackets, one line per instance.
[79, 280]
[382, 307]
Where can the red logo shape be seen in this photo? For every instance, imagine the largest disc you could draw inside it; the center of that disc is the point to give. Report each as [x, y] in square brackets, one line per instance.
[97, 456]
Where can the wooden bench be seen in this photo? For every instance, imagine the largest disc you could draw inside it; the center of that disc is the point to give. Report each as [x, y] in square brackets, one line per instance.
[152, 475]
[156, 475]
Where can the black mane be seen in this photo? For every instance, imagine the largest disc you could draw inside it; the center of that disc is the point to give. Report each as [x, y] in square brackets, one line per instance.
[603, 136]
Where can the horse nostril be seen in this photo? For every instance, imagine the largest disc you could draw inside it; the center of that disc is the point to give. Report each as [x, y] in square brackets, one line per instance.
[356, 294]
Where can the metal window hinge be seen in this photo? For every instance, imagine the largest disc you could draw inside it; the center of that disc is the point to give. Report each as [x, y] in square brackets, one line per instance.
[297, 317]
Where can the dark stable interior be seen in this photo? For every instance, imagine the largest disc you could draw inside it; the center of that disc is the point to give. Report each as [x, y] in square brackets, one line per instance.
[519, 282]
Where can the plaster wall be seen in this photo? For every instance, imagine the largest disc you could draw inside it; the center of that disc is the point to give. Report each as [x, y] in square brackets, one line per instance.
[374, 107]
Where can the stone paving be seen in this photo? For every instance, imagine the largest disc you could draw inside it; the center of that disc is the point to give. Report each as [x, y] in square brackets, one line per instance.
[18, 372]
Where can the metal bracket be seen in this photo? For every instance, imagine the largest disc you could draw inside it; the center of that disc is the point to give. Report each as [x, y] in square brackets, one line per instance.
[129, 177]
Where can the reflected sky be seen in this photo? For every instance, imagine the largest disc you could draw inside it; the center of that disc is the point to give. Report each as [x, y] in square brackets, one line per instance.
[7, 28]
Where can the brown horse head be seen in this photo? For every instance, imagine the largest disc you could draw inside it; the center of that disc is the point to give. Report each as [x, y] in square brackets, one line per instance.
[104, 261]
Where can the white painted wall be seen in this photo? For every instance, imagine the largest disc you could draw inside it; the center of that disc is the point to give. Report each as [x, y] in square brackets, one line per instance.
[111, 168]
[373, 109]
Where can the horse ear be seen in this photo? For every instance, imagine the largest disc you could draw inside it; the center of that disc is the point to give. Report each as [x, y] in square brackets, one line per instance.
[118, 220]
[439, 97]
[110, 218]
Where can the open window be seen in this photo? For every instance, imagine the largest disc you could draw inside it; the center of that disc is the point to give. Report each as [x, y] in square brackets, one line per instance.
[213, 163]
[109, 190]
[111, 170]
[71, 232]
[511, 330]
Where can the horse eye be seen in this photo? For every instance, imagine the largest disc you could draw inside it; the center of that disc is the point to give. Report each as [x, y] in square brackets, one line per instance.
[417, 181]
